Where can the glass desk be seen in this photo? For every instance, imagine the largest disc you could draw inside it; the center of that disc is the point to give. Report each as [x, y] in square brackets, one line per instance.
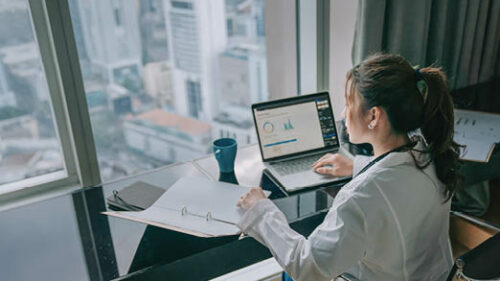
[67, 237]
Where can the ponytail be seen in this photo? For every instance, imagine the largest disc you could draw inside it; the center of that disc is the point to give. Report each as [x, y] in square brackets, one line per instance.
[390, 81]
[438, 128]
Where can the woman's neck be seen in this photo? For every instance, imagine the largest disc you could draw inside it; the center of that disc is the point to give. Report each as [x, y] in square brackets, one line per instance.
[389, 143]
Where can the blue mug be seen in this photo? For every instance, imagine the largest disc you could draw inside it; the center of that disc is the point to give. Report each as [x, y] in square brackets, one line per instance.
[225, 153]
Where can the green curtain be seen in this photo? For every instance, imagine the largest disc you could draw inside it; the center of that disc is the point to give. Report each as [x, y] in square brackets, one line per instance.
[462, 36]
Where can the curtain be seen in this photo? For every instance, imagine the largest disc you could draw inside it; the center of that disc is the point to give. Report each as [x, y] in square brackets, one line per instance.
[461, 36]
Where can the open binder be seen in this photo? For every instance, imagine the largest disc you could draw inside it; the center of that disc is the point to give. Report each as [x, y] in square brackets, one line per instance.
[196, 206]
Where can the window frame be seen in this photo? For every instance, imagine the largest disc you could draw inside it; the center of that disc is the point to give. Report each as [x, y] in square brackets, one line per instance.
[313, 41]
[52, 27]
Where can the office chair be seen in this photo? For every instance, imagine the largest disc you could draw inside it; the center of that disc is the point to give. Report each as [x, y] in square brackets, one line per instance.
[480, 263]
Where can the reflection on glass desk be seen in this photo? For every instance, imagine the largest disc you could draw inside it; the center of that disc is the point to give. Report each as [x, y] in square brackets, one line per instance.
[248, 166]
[249, 172]
[67, 237]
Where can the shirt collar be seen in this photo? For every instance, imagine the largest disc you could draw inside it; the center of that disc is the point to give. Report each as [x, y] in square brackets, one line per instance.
[405, 157]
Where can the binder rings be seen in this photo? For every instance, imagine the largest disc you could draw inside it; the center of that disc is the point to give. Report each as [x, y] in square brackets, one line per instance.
[196, 206]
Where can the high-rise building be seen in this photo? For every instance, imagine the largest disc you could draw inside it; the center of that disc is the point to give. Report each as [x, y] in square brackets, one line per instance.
[245, 21]
[243, 81]
[111, 39]
[26, 73]
[158, 83]
[7, 97]
[196, 34]
[119, 99]
[242, 70]
[243, 75]
[153, 31]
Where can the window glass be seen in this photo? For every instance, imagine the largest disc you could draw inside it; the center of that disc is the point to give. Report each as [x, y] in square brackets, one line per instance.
[163, 78]
[29, 145]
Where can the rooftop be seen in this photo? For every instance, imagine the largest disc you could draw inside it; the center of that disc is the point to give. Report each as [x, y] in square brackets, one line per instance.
[159, 117]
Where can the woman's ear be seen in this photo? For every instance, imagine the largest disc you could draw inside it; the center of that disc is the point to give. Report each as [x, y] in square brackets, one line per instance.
[375, 113]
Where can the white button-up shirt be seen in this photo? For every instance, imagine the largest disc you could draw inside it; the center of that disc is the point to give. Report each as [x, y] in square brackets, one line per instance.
[389, 223]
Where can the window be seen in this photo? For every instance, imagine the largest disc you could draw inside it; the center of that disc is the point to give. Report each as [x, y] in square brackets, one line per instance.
[138, 84]
[178, 75]
[29, 144]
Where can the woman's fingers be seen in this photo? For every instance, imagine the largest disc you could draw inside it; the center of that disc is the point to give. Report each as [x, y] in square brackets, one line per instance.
[326, 161]
[242, 199]
[318, 165]
[249, 199]
[320, 159]
[325, 171]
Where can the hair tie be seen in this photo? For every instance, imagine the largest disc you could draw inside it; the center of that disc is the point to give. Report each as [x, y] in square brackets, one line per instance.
[421, 85]
[418, 76]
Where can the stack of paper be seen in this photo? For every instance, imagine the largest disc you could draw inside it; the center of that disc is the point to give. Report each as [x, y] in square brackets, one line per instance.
[478, 131]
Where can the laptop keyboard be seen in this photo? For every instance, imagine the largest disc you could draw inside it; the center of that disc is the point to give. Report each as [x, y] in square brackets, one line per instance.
[295, 166]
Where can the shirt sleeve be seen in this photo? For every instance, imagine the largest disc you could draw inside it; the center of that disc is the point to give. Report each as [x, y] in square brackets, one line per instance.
[333, 247]
[359, 162]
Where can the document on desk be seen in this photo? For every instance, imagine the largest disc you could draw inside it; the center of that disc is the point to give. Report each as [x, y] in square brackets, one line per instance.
[196, 206]
[479, 132]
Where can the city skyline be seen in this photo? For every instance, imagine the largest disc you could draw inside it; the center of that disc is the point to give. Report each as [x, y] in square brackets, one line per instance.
[184, 60]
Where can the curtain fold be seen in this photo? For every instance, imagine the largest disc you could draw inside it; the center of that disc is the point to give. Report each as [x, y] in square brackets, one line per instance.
[462, 36]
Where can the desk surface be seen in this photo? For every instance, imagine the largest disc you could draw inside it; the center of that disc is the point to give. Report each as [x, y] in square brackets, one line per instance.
[66, 238]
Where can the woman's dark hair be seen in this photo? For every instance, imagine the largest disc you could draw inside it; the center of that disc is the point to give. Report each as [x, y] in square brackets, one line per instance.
[413, 99]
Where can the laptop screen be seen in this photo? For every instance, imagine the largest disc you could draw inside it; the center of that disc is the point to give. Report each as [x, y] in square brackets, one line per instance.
[294, 125]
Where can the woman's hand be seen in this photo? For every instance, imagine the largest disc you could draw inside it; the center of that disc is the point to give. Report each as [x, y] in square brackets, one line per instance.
[333, 164]
[250, 198]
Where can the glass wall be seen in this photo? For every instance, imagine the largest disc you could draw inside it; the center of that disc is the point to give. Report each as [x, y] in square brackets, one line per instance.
[163, 78]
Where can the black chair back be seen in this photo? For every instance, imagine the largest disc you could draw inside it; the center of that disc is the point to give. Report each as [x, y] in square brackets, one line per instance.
[480, 263]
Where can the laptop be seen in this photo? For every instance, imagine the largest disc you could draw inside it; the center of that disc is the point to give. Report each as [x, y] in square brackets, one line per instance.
[293, 133]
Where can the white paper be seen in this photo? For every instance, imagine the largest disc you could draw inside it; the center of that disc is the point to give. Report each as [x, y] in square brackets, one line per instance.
[479, 131]
[201, 195]
[198, 197]
[475, 150]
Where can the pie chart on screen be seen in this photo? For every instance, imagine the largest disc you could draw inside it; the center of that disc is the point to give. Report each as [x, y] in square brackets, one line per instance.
[268, 127]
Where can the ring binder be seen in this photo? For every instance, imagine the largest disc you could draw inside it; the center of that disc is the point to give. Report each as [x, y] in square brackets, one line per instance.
[188, 207]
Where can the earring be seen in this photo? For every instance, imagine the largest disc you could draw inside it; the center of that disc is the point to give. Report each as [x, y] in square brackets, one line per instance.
[370, 126]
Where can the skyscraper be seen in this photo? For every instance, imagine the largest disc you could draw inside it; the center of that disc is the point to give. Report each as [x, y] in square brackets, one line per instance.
[196, 34]
[243, 75]
[242, 71]
[245, 20]
[153, 31]
[158, 83]
[111, 38]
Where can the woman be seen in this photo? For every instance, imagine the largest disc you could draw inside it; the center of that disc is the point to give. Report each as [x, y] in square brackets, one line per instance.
[391, 221]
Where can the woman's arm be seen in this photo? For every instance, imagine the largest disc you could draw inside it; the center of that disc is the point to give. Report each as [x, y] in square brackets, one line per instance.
[333, 247]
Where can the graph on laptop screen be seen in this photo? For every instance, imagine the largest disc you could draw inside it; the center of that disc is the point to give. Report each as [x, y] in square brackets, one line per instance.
[294, 127]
